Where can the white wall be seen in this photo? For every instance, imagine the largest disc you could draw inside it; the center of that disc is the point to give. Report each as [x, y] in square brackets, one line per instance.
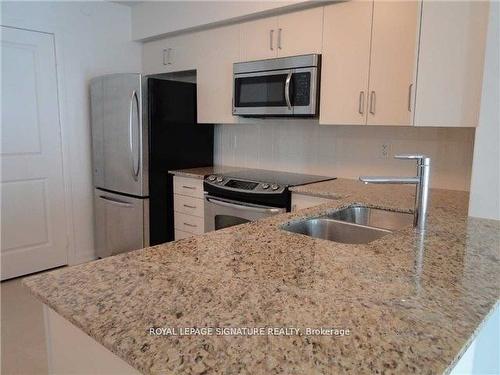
[346, 151]
[155, 18]
[485, 186]
[92, 38]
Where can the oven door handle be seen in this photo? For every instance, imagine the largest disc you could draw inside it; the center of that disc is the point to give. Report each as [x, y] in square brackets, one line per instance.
[242, 206]
[287, 90]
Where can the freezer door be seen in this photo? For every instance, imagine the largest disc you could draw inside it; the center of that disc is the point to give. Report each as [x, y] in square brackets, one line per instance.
[119, 134]
[121, 223]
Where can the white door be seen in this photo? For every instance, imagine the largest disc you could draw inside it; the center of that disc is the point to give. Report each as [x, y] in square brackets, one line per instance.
[32, 188]
[393, 62]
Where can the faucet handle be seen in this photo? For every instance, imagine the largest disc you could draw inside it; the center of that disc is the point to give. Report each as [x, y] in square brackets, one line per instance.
[421, 158]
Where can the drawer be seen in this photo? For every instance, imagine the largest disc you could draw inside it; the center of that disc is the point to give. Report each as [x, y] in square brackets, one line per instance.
[192, 187]
[180, 234]
[189, 223]
[188, 205]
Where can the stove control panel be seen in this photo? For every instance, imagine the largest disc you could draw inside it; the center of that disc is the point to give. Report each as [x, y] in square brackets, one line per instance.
[237, 184]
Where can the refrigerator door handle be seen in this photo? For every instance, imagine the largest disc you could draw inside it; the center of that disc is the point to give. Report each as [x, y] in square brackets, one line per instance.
[139, 131]
[133, 99]
[115, 201]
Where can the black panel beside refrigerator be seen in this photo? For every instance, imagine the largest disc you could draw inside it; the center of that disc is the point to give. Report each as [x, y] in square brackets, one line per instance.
[176, 141]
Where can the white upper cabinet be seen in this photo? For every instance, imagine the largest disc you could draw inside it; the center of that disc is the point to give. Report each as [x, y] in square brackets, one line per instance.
[297, 33]
[220, 49]
[384, 62]
[173, 54]
[450, 64]
[300, 33]
[258, 39]
[346, 63]
[394, 46]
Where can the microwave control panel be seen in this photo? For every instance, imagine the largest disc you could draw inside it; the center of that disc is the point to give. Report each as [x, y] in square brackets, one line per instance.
[301, 83]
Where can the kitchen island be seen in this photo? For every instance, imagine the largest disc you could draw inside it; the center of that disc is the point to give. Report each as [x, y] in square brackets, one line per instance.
[412, 303]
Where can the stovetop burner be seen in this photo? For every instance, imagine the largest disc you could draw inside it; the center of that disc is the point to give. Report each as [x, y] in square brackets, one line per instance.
[253, 182]
[285, 179]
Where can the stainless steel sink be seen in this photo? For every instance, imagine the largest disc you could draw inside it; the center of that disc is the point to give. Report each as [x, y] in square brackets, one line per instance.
[336, 231]
[352, 225]
[373, 217]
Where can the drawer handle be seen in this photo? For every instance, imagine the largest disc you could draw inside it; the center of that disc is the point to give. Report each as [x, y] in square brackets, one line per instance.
[188, 206]
[190, 225]
[189, 187]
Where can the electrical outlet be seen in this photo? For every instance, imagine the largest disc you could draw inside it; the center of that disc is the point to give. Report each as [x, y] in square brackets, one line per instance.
[385, 150]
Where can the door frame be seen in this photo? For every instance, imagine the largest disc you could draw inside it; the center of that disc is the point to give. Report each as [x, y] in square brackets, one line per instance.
[71, 256]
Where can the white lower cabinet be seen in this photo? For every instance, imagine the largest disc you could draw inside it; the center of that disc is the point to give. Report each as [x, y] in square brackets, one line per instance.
[188, 207]
[62, 338]
[300, 201]
[188, 223]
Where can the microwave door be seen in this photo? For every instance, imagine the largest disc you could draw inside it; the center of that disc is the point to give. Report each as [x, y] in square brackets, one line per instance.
[263, 93]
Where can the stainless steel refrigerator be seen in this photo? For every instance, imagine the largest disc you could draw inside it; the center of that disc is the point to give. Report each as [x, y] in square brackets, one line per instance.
[141, 128]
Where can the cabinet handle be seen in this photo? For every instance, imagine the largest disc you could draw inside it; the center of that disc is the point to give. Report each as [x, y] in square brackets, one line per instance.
[373, 103]
[271, 37]
[361, 108]
[279, 38]
[188, 206]
[189, 187]
[409, 96]
[190, 225]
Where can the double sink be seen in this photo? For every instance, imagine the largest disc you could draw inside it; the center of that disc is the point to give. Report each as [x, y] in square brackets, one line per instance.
[353, 225]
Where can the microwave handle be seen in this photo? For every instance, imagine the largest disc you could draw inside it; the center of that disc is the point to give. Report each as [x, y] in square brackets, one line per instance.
[287, 90]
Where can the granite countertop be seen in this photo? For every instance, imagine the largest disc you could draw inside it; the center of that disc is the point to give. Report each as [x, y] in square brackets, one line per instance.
[412, 303]
[342, 188]
[201, 172]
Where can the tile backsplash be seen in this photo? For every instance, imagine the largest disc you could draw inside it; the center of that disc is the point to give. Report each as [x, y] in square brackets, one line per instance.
[346, 151]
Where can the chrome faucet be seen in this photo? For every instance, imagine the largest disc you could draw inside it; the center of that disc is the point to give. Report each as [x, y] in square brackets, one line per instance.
[422, 186]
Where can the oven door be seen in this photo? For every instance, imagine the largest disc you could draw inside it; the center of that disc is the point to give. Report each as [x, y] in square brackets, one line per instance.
[286, 92]
[222, 213]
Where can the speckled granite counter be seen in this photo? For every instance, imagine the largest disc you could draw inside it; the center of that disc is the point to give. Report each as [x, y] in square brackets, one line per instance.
[412, 303]
[392, 195]
[201, 172]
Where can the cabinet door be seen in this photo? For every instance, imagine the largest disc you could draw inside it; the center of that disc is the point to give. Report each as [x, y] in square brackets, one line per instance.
[258, 39]
[393, 61]
[450, 63]
[345, 63]
[300, 33]
[220, 49]
[173, 54]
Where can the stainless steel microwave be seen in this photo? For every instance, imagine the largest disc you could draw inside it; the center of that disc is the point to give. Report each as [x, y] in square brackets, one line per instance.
[287, 86]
